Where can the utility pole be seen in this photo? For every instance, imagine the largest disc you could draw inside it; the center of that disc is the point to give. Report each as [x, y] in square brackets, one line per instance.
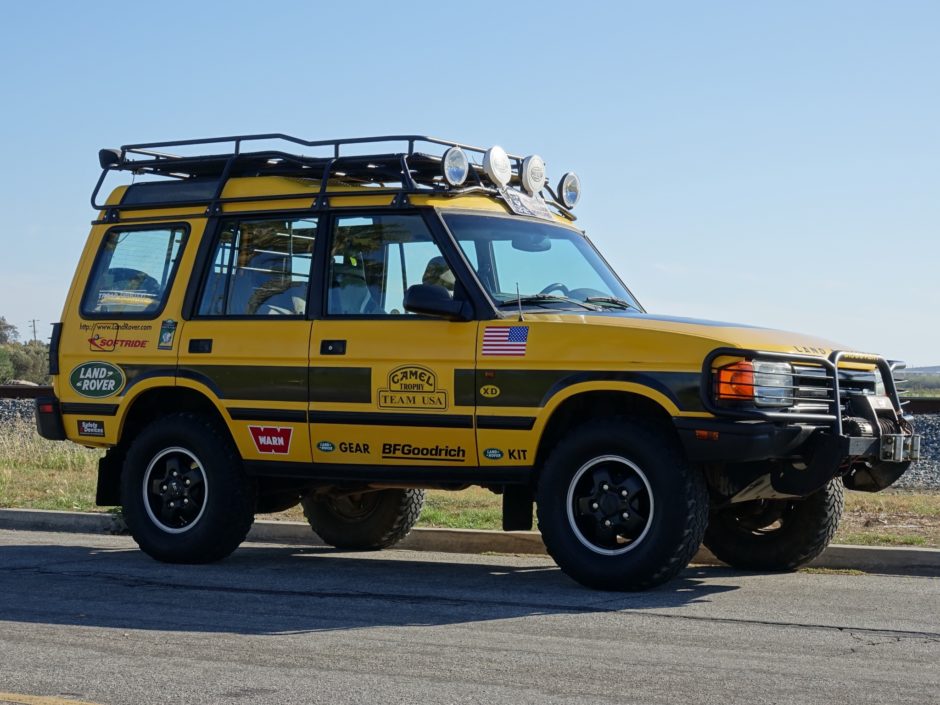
[34, 321]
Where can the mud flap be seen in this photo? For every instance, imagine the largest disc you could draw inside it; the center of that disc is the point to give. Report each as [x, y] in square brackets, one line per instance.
[109, 479]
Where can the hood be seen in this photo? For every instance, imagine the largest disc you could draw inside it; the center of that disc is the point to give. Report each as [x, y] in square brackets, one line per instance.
[724, 334]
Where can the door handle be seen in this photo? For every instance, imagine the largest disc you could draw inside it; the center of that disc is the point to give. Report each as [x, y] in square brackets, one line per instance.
[333, 347]
[200, 345]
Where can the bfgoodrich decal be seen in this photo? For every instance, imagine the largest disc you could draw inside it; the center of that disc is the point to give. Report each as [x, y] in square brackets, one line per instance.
[407, 451]
[97, 379]
[271, 439]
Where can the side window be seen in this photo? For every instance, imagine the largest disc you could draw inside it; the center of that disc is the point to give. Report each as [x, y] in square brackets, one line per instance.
[260, 268]
[133, 271]
[374, 259]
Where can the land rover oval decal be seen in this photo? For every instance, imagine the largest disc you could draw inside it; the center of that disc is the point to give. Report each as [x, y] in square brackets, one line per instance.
[97, 379]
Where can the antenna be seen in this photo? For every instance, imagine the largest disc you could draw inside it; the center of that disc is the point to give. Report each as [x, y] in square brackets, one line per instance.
[519, 300]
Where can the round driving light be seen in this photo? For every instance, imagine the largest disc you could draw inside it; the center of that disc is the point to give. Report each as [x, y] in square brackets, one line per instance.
[533, 174]
[569, 189]
[455, 166]
[496, 165]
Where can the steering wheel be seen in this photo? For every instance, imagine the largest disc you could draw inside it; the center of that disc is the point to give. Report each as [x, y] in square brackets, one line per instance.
[553, 286]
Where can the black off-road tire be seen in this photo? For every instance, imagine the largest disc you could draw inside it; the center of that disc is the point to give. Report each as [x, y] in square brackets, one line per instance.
[664, 492]
[776, 534]
[364, 522]
[214, 509]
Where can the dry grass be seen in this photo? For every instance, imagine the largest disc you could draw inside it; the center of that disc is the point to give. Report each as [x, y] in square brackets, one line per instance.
[40, 474]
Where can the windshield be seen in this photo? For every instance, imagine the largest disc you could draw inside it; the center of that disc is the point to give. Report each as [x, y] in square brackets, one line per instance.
[553, 267]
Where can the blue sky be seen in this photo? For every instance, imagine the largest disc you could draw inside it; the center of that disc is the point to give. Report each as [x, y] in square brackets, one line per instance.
[772, 164]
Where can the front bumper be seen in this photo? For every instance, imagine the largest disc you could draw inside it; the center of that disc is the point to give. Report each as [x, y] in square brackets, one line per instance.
[831, 430]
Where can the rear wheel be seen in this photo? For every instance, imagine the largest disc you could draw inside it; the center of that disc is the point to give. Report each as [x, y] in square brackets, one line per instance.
[776, 534]
[185, 497]
[619, 507]
[364, 521]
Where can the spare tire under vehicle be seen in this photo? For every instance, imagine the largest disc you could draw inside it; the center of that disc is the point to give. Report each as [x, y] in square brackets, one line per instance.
[363, 521]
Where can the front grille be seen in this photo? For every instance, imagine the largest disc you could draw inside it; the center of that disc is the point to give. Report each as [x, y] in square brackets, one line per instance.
[813, 388]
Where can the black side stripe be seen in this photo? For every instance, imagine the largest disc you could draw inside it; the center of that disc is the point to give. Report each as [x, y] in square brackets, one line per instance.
[378, 419]
[535, 388]
[86, 409]
[351, 385]
[285, 415]
[506, 423]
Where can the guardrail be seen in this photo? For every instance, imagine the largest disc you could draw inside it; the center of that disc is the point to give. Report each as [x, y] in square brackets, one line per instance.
[23, 391]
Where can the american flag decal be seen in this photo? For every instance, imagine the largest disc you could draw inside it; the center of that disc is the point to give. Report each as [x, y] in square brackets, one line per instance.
[505, 340]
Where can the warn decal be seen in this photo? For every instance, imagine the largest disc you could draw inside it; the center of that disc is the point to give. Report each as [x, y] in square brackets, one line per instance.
[271, 439]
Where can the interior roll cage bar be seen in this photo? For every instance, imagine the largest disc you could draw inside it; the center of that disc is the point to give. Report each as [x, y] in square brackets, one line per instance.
[200, 179]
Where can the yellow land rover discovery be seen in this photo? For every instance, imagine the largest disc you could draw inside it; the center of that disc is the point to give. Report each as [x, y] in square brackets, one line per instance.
[261, 321]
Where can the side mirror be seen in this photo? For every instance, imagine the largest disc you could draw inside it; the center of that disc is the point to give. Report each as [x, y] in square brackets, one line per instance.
[433, 300]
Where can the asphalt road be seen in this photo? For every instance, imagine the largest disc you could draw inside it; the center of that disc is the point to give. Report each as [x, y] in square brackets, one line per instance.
[91, 618]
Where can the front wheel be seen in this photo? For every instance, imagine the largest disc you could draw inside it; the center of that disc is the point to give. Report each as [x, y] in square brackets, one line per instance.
[776, 534]
[619, 507]
[185, 497]
[364, 521]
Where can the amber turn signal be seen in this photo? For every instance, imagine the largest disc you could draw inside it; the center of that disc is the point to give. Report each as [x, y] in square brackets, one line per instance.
[736, 381]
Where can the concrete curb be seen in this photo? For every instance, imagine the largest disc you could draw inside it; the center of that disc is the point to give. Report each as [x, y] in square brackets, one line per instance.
[871, 559]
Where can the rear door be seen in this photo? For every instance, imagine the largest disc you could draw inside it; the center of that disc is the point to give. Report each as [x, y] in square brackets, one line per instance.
[386, 386]
[247, 341]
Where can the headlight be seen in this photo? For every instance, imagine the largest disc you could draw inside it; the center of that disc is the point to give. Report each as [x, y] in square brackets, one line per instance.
[773, 383]
[757, 382]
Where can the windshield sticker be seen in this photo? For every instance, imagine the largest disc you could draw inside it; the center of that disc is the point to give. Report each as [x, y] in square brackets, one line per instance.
[167, 333]
[412, 387]
[271, 439]
[97, 379]
[506, 341]
[524, 204]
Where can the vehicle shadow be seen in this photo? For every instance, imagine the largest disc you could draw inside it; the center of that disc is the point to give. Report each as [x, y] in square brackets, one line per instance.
[277, 590]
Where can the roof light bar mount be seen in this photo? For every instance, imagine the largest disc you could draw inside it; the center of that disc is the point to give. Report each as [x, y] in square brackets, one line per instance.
[411, 166]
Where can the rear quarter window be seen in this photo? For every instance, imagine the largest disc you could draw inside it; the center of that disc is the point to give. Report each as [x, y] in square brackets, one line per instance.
[133, 272]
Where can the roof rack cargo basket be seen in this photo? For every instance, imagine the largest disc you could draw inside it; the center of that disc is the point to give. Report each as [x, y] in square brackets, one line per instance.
[400, 165]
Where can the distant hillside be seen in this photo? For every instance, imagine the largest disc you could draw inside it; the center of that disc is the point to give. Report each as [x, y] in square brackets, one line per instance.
[922, 381]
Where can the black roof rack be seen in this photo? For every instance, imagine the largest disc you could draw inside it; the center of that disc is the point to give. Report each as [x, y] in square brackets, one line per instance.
[414, 167]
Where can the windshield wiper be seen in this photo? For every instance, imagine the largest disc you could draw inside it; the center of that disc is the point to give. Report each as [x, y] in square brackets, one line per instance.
[538, 299]
[611, 300]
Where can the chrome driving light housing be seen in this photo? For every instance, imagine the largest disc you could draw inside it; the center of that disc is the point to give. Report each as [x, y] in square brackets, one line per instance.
[533, 174]
[455, 166]
[569, 190]
[773, 383]
[496, 165]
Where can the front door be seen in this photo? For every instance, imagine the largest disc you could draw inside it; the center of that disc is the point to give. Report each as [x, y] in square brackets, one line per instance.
[386, 386]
